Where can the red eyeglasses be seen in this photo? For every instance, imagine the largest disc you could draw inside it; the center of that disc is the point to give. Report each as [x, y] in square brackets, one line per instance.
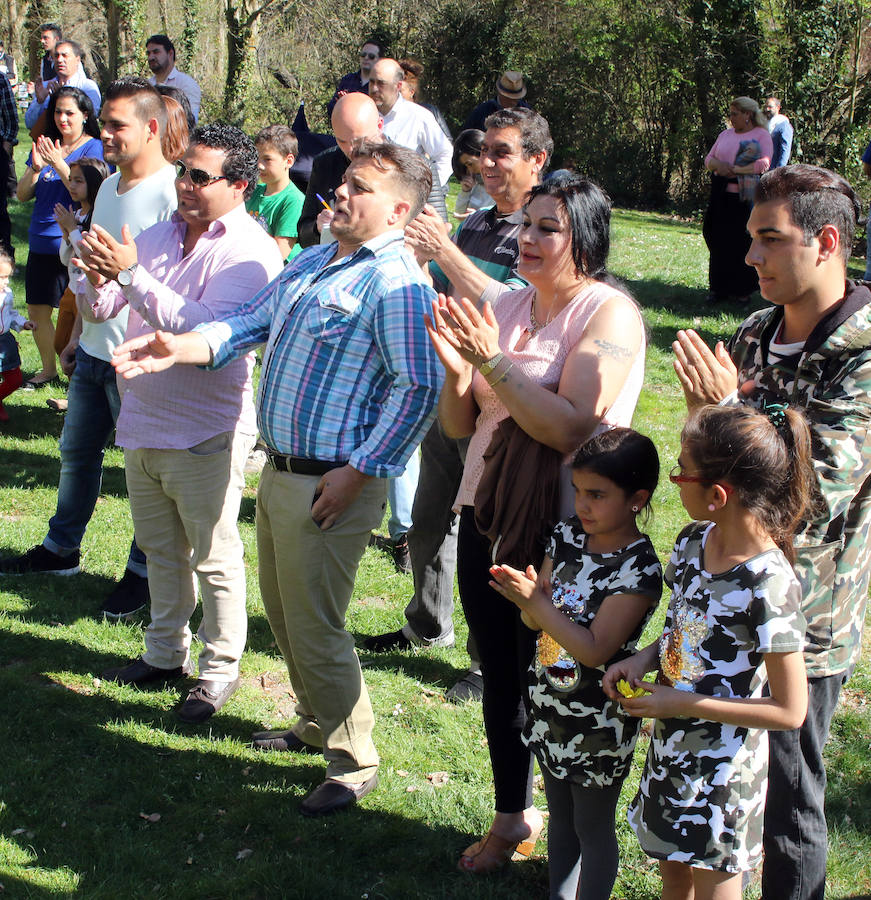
[675, 477]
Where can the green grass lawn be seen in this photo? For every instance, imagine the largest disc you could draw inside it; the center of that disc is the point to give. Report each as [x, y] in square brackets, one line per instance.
[103, 794]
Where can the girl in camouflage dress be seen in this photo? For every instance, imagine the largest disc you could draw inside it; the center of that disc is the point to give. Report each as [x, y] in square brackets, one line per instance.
[599, 584]
[733, 625]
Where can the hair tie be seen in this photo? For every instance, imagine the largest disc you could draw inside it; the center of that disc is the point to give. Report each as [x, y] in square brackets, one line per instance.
[776, 413]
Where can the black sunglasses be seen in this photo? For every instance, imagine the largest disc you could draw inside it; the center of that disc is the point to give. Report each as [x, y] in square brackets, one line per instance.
[368, 56]
[199, 177]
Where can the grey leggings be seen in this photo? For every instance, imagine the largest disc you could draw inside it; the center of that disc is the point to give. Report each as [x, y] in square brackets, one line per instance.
[581, 828]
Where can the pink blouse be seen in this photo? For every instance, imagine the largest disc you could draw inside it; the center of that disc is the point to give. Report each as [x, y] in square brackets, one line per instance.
[542, 360]
[728, 144]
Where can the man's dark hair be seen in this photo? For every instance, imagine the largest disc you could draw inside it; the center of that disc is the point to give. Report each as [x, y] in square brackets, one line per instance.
[533, 128]
[280, 137]
[817, 196]
[74, 46]
[51, 26]
[413, 173]
[180, 97]
[146, 100]
[241, 163]
[163, 41]
[379, 42]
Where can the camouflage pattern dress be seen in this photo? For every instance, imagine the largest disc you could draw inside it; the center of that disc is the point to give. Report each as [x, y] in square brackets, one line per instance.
[702, 793]
[574, 729]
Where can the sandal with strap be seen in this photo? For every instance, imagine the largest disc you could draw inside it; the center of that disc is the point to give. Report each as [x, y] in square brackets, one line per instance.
[493, 852]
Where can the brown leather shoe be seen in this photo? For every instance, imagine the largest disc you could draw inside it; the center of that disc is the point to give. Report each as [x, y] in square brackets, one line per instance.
[282, 740]
[333, 796]
[205, 700]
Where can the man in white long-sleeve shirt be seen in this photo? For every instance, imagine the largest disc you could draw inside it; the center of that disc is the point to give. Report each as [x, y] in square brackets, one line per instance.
[405, 123]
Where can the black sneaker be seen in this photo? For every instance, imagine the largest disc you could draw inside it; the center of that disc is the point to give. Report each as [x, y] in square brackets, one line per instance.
[40, 561]
[130, 595]
[382, 643]
[469, 687]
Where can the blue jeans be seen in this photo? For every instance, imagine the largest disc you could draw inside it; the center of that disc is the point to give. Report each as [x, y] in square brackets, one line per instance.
[400, 496]
[794, 838]
[93, 406]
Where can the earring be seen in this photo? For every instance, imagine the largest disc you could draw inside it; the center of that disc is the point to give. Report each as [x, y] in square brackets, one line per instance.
[634, 509]
[711, 507]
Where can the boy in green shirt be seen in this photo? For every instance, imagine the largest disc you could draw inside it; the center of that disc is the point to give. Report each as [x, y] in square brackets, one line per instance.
[276, 202]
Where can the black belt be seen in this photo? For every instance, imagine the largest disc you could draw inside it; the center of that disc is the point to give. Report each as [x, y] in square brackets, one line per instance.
[298, 466]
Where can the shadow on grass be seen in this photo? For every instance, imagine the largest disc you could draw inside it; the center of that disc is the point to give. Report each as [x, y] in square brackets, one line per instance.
[424, 665]
[27, 470]
[55, 600]
[110, 797]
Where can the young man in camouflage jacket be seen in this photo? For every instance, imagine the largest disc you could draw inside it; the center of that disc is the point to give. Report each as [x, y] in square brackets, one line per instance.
[813, 352]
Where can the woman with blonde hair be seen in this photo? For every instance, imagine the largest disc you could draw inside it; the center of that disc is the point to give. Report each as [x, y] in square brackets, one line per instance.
[739, 156]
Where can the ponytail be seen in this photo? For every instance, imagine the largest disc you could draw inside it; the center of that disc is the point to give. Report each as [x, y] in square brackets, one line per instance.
[765, 457]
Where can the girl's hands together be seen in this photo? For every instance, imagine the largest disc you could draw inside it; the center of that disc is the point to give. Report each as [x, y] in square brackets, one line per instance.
[66, 219]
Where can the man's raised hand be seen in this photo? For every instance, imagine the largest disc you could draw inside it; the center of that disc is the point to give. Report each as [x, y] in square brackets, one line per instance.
[147, 353]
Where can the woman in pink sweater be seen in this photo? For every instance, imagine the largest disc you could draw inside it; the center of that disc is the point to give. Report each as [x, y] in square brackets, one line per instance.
[739, 156]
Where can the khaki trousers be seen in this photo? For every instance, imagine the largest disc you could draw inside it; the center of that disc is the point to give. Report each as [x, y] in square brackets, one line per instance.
[185, 506]
[306, 580]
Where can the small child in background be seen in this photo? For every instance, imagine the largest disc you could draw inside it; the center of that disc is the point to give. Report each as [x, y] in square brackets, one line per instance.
[277, 202]
[734, 624]
[599, 584]
[10, 360]
[466, 163]
[86, 176]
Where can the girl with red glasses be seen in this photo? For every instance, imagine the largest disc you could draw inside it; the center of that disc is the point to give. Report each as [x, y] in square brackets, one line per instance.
[729, 662]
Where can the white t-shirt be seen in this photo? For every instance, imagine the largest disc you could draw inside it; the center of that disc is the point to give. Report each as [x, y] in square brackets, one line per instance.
[152, 200]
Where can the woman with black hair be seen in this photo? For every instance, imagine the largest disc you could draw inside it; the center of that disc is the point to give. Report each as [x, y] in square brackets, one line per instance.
[72, 133]
[546, 367]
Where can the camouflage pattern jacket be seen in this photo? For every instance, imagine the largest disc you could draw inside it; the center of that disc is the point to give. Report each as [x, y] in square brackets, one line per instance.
[830, 382]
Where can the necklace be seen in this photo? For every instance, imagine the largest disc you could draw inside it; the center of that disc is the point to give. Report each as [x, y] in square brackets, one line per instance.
[534, 325]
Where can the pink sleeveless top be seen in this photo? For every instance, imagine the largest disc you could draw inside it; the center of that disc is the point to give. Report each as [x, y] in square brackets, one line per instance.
[542, 360]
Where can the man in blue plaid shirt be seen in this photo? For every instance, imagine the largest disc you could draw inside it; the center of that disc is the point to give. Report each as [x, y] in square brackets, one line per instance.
[348, 389]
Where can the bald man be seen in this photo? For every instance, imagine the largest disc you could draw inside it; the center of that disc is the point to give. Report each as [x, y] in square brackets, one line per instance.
[355, 117]
[406, 123]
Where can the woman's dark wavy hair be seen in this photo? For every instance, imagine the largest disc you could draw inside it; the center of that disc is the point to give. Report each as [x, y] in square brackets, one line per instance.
[768, 466]
[623, 456]
[588, 209]
[83, 101]
[468, 141]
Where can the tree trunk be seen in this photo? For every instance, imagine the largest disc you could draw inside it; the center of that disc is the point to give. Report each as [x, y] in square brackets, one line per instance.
[243, 22]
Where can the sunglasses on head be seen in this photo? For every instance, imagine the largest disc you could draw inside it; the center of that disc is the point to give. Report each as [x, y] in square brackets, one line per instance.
[198, 177]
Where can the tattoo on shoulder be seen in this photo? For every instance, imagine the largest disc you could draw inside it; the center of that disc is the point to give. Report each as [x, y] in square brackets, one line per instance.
[606, 348]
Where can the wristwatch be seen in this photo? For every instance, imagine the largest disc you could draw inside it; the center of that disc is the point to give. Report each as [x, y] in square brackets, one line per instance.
[125, 276]
[489, 365]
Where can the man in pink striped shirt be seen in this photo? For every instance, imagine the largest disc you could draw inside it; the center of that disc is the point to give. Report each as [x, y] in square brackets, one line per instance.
[186, 432]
